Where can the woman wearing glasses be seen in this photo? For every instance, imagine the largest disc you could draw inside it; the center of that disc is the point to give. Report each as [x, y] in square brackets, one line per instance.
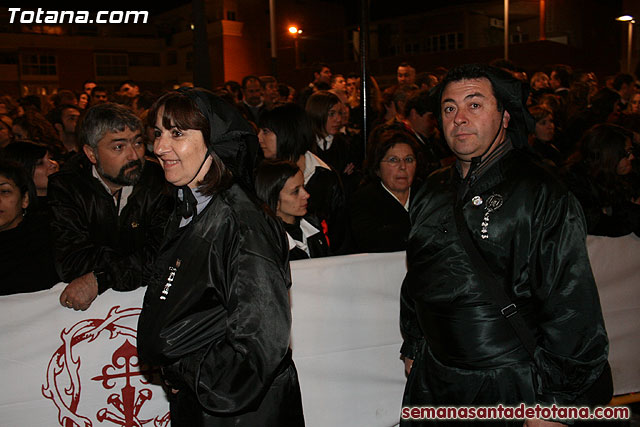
[380, 208]
[599, 176]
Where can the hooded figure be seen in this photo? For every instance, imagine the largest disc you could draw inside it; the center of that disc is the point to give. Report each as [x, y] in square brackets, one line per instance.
[216, 315]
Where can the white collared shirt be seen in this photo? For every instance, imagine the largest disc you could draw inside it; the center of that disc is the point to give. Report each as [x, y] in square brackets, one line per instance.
[311, 161]
[324, 143]
[125, 191]
[307, 230]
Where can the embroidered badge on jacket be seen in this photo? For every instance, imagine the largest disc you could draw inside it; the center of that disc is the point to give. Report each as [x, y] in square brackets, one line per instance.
[494, 202]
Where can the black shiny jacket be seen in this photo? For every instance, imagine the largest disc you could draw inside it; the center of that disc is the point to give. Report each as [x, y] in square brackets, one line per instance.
[216, 317]
[88, 234]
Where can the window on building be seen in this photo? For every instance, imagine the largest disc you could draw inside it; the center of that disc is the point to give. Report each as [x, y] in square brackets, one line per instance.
[231, 15]
[8, 58]
[35, 64]
[172, 57]
[111, 64]
[140, 59]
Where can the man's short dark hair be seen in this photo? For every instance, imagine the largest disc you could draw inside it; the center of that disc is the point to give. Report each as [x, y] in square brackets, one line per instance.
[99, 89]
[249, 78]
[563, 74]
[317, 67]
[56, 114]
[127, 82]
[421, 102]
[622, 78]
[406, 64]
[474, 71]
[103, 118]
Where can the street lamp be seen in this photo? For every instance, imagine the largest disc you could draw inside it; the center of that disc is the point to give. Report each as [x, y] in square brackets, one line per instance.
[629, 20]
[295, 32]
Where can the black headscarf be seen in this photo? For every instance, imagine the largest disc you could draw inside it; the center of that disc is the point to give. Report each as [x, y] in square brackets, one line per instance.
[232, 139]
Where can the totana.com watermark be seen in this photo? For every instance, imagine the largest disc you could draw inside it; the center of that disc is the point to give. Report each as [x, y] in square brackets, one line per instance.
[41, 16]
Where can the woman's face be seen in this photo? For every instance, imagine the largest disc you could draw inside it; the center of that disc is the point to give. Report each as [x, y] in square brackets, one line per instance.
[293, 199]
[268, 143]
[397, 168]
[181, 152]
[83, 100]
[334, 119]
[635, 103]
[541, 82]
[624, 165]
[545, 129]
[44, 167]
[12, 204]
[5, 134]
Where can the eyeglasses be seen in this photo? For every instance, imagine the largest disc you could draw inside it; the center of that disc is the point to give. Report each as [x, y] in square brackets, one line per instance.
[395, 161]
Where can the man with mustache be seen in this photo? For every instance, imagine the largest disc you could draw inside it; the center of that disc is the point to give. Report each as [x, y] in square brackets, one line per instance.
[499, 305]
[109, 208]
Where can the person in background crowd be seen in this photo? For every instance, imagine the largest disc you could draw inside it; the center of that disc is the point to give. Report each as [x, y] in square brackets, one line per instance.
[560, 80]
[321, 77]
[426, 81]
[539, 85]
[406, 74]
[65, 120]
[129, 89]
[99, 95]
[285, 134]
[109, 208]
[280, 184]
[83, 101]
[326, 114]
[221, 329]
[6, 134]
[624, 84]
[541, 140]
[634, 104]
[597, 173]
[88, 85]
[379, 210]
[32, 126]
[25, 245]
[37, 160]
[234, 89]
[252, 104]
[271, 95]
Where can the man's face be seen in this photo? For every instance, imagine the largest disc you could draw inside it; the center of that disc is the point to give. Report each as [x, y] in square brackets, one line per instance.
[423, 124]
[129, 90]
[406, 75]
[100, 97]
[626, 91]
[119, 157]
[470, 118]
[352, 85]
[271, 91]
[253, 92]
[324, 75]
[88, 87]
[70, 118]
[339, 84]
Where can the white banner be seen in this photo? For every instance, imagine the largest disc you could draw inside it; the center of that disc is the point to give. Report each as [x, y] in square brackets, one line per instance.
[61, 367]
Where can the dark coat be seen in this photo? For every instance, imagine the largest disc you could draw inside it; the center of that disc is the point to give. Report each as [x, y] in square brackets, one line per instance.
[465, 351]
[328, 203]
[26, 258]
[216, 317]
[89, 235]
[379, 223]
[316, 243]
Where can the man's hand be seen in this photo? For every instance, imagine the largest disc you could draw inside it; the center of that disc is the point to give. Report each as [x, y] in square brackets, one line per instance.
[80, 293]
[541, 423]
[408, 363]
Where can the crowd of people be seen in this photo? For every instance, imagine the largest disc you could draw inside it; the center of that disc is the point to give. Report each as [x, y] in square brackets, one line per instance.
[257, 173]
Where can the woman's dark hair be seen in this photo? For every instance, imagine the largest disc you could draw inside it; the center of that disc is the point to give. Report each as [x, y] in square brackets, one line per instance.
[600, 150]
[271, 177]
[539, 112]
[293, 131]
[181, 112]
[26, 153]
[382, 139]
[39, 129]
[15, 172]
[318, 106]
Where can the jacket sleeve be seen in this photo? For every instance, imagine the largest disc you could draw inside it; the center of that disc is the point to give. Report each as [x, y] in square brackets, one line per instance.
[572, 346]
[77, 253]
[233, 374]
[412, 336]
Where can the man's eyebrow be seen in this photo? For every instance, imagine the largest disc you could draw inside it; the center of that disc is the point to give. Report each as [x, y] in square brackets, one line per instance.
[475, 95]
[137, 135]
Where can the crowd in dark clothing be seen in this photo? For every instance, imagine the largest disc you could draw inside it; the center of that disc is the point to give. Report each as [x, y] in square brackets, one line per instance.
[334, 192]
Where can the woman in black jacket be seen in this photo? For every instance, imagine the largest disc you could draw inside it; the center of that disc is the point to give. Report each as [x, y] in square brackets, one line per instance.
[216, 314]
[597, 175]
[280, 184]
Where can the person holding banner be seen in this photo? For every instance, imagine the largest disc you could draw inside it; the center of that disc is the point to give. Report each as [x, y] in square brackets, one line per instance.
[216, 314]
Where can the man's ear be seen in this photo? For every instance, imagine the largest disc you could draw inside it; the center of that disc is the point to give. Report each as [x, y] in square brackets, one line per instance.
[505, 119]
[88, 151]
[25, 200]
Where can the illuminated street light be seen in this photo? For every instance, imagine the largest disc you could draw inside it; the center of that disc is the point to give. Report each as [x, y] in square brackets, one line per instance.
[629, 20]
[295, 31]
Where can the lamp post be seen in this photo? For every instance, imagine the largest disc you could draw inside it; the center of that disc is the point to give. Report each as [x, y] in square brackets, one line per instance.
[629, 20]
[295, 32]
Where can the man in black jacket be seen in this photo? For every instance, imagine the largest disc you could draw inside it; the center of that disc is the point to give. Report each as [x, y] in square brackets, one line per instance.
[109, 208]
[498, 226]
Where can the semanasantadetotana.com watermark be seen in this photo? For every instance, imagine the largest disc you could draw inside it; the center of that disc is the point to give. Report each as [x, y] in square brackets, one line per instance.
[41, 16]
